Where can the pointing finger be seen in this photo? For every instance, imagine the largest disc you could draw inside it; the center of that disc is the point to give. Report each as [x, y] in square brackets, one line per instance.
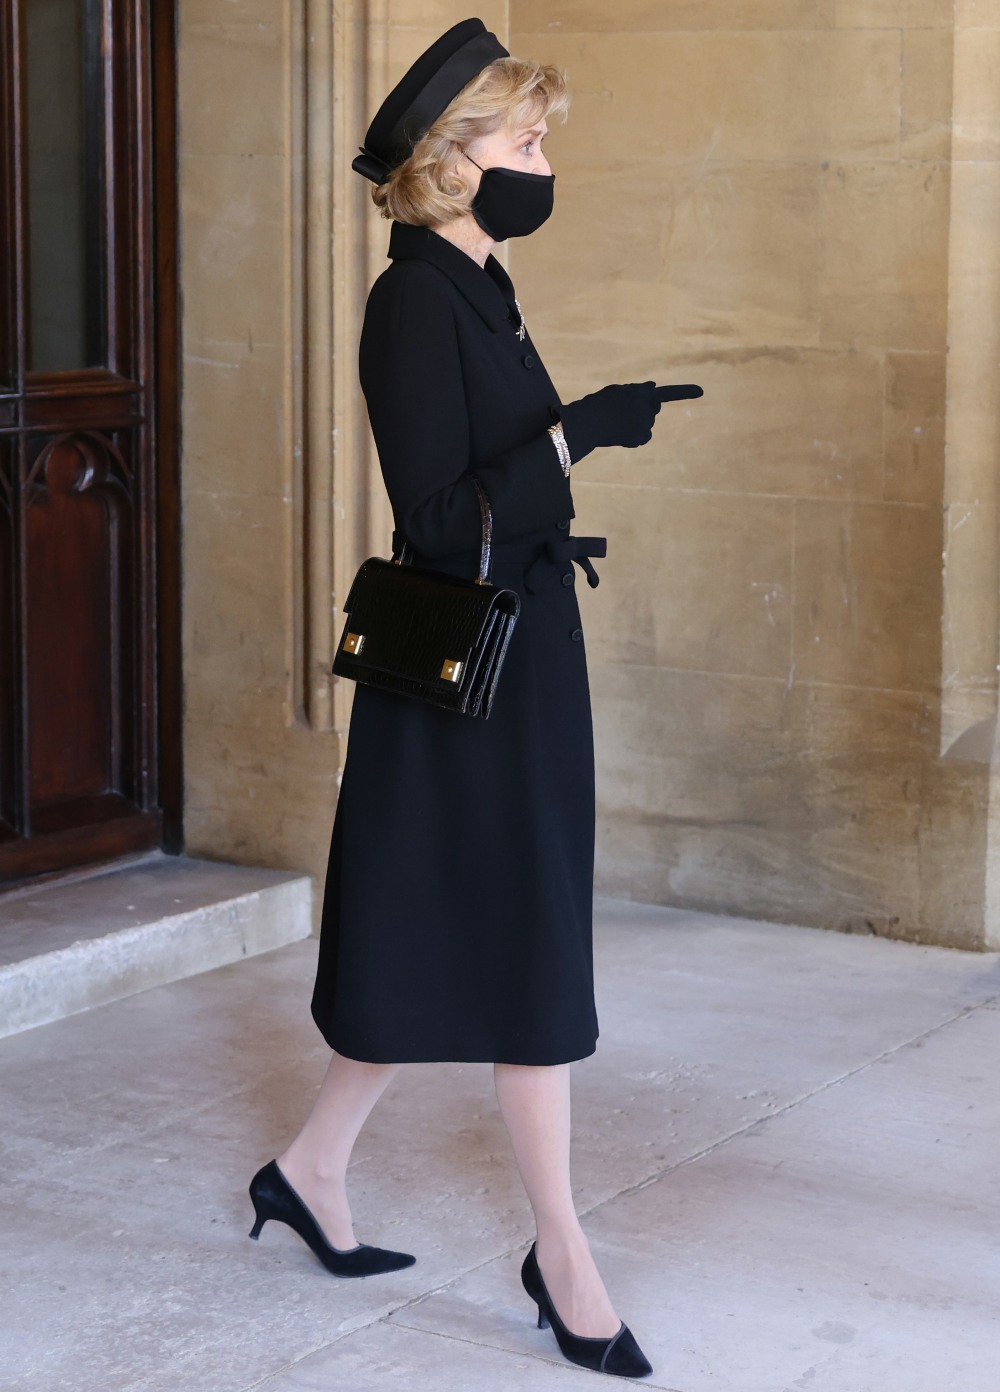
[685, 392]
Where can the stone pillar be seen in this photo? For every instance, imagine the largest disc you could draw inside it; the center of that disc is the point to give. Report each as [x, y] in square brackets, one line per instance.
[972, 450]
[972, 493]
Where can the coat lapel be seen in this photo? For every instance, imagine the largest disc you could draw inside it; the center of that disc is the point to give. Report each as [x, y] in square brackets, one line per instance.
[488, 289]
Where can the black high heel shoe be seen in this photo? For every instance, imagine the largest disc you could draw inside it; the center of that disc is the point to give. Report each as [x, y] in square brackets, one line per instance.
[620, 1354]
[273, 1197]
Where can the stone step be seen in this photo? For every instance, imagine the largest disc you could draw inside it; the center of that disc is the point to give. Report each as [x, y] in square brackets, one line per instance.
[79, 940]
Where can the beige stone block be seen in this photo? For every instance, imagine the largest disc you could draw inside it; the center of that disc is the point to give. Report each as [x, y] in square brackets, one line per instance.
[788, 803]
[193, 12]
[678, 255]
[236, 577]
[793, 422]
[681, 259]
[811, 804]
[977, 14]
[868, 594]
[973, 424]
[260, 748]
[893, 14]
[914, 427]
[884, 277]
[691, 580]
[971, 618]
[687, 762]
[782, 95]
[256, 711]
[925, 120]
[438, 15]
[233, 428]
[607, 226]
[261, 795]
[658, 16]
[230, 83]
[741, 249]
[415, 24]
[233, 248]
[977, 95]
[691, 747]
[611, 316]
[899, 832]
[953, 837]
[403, 45]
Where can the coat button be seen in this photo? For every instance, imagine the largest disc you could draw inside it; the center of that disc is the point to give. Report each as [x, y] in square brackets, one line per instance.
[567, 577]
[562, 526]
[577, 635]
[528, 360]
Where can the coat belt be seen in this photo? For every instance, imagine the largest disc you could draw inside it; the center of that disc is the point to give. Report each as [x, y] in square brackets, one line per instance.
[543, 553]
[555, 552]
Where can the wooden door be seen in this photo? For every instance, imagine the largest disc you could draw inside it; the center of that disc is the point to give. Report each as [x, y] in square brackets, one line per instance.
[89, 583]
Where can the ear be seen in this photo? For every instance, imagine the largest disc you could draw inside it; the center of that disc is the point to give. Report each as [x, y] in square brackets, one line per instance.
[463, 168]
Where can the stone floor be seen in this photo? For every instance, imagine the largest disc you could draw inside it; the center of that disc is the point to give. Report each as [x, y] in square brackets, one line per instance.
[786, 1155]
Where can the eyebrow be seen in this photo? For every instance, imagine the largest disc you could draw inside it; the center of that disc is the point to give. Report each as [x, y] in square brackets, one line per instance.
[535, 130]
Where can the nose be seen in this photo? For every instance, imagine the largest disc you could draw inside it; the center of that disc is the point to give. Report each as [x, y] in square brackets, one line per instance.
[541, 165]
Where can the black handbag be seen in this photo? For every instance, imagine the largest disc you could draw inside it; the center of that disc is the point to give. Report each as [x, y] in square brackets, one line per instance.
[422, 633]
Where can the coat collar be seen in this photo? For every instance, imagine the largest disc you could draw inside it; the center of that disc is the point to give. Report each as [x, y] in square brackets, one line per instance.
[488, 288]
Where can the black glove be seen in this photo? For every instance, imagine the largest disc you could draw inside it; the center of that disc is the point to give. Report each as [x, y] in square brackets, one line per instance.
[622, 414]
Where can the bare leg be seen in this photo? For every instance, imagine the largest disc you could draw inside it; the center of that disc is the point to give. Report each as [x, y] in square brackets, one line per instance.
[535, 1102]
[315, 1164]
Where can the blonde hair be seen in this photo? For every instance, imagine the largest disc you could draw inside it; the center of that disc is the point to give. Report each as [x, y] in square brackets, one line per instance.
[426, 189]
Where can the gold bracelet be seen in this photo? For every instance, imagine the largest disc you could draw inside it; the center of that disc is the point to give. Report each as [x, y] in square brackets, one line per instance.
[562, 449]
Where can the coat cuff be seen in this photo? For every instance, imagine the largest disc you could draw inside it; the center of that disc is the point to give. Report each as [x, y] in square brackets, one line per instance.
[527, 488]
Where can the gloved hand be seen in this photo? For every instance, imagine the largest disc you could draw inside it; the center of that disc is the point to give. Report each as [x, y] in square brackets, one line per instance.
[622, 414]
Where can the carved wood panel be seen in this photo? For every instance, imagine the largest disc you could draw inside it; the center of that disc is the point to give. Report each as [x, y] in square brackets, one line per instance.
[89, 624]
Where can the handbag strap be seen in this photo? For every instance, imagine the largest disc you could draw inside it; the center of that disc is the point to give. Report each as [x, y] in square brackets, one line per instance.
[399, 554]
[486, 553]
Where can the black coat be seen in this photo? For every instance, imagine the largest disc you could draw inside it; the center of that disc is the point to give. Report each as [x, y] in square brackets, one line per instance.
[457, 913]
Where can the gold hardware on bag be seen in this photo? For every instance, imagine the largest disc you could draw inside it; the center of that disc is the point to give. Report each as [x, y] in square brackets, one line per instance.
[353, 643]
[451, 671]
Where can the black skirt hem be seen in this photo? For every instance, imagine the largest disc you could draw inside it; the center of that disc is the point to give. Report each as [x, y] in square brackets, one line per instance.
[458, 1055]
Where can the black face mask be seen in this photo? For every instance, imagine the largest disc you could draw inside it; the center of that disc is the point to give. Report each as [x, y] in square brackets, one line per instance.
[510, 202]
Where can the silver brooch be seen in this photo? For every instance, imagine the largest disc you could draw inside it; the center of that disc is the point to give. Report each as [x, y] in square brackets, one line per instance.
[520, 330]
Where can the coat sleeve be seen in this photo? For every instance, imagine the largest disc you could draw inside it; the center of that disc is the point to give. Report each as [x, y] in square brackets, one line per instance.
[411, 375]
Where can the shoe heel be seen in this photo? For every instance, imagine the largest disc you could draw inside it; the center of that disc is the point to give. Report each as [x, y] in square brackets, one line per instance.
[273, 1197]
[620, 1354]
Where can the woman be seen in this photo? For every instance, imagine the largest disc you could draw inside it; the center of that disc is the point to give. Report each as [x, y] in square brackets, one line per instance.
[457, 914]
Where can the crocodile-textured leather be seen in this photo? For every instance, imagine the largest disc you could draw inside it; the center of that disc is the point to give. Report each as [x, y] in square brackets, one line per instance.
[413, 621]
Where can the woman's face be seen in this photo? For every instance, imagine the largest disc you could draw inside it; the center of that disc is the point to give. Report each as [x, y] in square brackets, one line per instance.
[522, 150]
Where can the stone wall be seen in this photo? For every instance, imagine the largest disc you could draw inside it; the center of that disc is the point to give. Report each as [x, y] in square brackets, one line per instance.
[793, 648]
[759, 198]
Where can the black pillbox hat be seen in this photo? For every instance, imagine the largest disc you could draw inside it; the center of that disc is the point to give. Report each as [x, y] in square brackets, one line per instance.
[424, 91]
